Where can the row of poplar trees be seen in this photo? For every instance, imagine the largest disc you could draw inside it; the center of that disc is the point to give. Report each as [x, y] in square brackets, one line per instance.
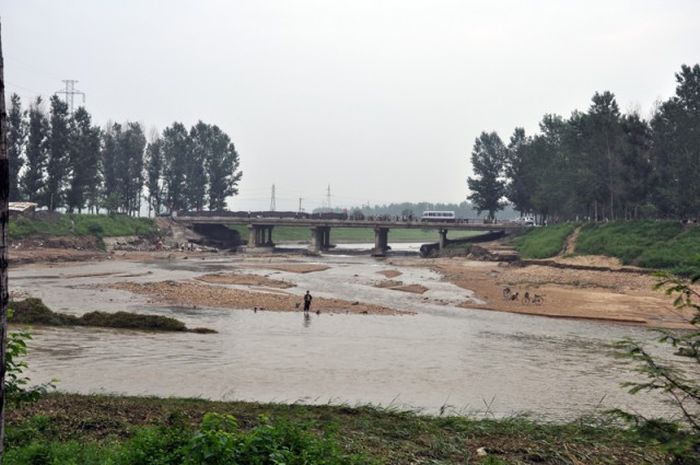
[62, 161]
[597, 165]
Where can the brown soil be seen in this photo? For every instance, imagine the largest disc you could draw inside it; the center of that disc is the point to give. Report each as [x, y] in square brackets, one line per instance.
[400, 286]
[586, 294]
[412, 288]
[22, 256]
[388, 283]
[290, 267]
[194, 294]
[390, 273]
[245, 279]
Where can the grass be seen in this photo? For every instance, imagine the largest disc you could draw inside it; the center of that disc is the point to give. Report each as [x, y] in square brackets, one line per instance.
[543, 242]
[92, 429]
[664, 245]
[79, 225]
[32, 311]
[351, 235]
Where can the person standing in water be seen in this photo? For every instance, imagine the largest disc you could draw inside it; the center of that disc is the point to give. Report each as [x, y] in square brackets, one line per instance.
[307, 301]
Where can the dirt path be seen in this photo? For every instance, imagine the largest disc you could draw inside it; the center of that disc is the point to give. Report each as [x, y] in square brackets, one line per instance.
[570, 245]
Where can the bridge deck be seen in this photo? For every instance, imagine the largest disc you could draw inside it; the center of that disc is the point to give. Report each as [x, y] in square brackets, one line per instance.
[457, 226]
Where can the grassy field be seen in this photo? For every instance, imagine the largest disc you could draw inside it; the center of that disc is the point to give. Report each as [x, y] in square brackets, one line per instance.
[80, 225]
[355, 235]
[543, 242]
[665, 245]
[76, 429]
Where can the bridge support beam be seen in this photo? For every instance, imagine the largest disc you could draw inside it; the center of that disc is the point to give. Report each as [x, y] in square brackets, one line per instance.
[381, 242]
[443, 238]
[260, 236]
[320, 238]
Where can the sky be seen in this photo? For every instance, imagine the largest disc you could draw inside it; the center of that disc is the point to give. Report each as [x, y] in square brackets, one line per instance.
[380, 99]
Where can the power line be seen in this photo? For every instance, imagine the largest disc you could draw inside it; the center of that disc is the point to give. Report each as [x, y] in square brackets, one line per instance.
[70, 92]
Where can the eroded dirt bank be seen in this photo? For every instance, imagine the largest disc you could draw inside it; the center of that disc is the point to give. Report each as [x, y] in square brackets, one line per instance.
[616, 296]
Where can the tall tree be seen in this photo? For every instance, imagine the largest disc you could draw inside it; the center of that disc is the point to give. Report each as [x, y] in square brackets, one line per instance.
[154, 173]
[176, 149]
[518, 170]
[33, 180]
[196, 174]
[16, 137]
[488, 162]
[84, 157]
[57, 168]
[677, 147]
[604, 136]
[131, 149]
[111, 194]
[4, 226]
[223, 169]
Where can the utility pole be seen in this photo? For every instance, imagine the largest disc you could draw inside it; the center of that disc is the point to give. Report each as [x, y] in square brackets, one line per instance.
[273, 203]
[328, 198]
[70, 92]
[4, 225]
[300, 199]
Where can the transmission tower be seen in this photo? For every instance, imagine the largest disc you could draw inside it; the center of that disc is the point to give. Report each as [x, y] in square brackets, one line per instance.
[70, 92]
[273, 203]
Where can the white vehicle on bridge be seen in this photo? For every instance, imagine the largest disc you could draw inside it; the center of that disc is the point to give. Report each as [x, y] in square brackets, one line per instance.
[438, 216]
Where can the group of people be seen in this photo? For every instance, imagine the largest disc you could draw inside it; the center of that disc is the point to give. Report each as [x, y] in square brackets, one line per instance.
[526, 299]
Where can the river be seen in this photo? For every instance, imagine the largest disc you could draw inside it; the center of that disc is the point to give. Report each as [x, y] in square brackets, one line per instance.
[442, 358]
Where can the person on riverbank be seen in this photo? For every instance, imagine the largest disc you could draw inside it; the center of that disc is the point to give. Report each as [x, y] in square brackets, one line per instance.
[307, 301]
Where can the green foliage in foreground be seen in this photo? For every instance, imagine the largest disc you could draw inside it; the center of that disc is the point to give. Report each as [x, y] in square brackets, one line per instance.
[98, 429]
[544, 242]
[650, 244]
[32, 311]
[80, 225]
[218, 441]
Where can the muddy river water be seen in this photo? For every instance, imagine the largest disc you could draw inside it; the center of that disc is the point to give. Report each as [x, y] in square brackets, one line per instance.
[442, 357]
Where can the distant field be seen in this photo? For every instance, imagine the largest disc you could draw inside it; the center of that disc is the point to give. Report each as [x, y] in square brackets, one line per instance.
[354, 235]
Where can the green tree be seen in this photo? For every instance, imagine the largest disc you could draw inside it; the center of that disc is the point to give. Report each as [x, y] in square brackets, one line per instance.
[132, 145]
[676, 142]
[57, 167]
[488, 163]
[111, 196]
[196, 178]
[176, 149]
[16, 138]
[33, 180]
[223, 169]
[84, 157]
[518, 169]
[154, 174]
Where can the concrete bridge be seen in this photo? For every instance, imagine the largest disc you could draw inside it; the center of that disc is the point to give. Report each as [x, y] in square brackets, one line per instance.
[260, 229]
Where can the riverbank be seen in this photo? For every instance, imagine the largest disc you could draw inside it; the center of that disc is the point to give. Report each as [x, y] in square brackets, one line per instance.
[604, 291]
[99, 427]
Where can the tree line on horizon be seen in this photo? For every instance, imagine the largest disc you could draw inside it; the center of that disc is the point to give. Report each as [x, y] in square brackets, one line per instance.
[599, 164]
[63, 161]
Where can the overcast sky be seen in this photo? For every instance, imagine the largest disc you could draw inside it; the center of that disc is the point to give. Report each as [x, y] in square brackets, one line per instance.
[380, 99]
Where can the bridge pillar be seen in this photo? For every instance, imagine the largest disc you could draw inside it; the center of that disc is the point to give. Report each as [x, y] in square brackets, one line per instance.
[259, 236]
[443, 238]
[381, 242]
[320, 238]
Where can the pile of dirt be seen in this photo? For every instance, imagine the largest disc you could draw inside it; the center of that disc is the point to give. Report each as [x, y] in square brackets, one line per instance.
[291, 267]
[400, 286]
[33, 311]
[390, 273]
[245, 280]
[194, 294]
